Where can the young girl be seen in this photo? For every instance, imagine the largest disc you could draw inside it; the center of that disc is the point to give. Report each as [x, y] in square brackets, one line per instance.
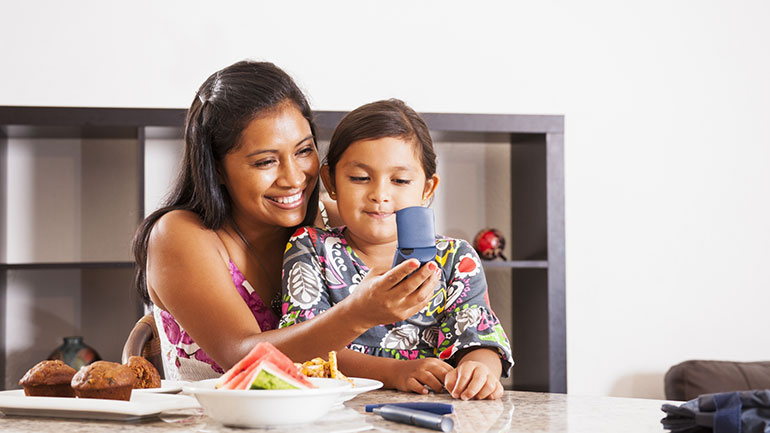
[380, 160]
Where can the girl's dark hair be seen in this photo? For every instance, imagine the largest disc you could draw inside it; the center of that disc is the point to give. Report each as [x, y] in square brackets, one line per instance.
[224, 105]
[387, 118]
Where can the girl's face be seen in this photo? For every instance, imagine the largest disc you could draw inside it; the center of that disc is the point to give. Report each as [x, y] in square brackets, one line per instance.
[273, 169]
[372, 180]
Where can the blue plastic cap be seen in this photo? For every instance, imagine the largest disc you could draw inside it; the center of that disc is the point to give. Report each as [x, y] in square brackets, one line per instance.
[416, 235]
[416, 227]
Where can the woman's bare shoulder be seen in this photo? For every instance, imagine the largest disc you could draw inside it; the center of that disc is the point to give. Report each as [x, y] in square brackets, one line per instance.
[178, 222]
[182, 231]
[182, 252]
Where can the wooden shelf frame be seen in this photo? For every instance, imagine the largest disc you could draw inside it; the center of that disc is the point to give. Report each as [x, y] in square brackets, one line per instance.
[539, 337]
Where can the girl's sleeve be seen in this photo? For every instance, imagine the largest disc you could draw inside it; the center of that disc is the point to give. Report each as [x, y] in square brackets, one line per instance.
[469, 321]
[303, 292]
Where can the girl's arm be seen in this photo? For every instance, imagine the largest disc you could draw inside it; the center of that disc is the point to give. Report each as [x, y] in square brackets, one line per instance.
[403, 375]
[477, 375]
[188, 277]
[485, 356]
[474, 339]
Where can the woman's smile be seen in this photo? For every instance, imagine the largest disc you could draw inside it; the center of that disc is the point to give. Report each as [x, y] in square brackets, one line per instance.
[288, 201]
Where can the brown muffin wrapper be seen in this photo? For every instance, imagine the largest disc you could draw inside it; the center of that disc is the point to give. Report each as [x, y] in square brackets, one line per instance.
[62, 390]
[114, 393]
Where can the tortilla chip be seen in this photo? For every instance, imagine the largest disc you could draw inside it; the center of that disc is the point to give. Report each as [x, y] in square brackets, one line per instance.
[318, 367]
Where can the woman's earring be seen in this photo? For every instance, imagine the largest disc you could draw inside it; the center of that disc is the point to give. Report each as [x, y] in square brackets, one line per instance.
[333, 195]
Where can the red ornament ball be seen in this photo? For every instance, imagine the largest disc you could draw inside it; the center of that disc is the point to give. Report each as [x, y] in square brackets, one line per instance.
[489, 243]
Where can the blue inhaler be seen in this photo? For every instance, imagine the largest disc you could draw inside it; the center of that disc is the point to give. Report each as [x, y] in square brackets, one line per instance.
[416, 235]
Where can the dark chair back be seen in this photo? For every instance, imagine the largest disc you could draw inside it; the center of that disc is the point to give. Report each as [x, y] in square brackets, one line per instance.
[144, 341]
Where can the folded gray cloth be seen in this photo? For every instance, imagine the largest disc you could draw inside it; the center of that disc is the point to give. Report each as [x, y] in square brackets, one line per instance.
[727, 412]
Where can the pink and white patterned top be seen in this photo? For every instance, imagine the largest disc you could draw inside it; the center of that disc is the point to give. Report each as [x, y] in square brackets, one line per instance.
[183, 359]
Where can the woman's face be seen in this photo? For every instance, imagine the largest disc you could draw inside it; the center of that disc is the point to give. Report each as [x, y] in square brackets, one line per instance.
[273, 169]
[372, 180]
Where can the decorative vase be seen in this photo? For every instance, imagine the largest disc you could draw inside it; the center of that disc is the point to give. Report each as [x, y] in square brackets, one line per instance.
[489, 243]
[75, 353]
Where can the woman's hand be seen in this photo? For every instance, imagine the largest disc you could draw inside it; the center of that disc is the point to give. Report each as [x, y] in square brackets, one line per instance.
[390, 296]
[473, 380]
[415, 374]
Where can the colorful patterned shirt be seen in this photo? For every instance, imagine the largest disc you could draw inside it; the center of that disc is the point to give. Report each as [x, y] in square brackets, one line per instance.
[320, 270]
[183, 359]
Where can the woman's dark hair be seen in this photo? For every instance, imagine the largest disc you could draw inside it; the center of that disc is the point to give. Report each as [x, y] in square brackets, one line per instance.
[224, 105]
[387, 118]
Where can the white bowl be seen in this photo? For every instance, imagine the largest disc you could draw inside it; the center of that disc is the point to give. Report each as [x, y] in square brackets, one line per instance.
[267, 408]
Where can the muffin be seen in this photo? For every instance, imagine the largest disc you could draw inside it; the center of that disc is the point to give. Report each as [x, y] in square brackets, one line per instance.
[104, 379]
[147, 375]
[48, 379]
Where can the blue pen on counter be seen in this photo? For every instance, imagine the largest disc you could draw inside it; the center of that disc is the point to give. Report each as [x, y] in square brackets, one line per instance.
[437, 408]
[418, 418]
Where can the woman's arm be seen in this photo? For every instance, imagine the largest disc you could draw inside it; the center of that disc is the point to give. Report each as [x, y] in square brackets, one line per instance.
[188, 277]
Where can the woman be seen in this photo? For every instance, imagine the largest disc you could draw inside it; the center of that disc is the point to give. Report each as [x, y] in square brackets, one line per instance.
[210, 259]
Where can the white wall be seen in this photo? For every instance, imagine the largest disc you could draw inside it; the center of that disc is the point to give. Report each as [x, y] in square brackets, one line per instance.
[667, 144]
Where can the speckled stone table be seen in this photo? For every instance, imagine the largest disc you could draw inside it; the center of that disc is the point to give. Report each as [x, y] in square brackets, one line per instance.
[515, 412]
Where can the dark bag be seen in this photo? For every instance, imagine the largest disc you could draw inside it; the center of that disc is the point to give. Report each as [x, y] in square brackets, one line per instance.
[727, 412]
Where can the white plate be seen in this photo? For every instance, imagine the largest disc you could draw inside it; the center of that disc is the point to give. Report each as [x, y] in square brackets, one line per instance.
[140, 406]
[267, 408]
[166, 387]
[360, 385]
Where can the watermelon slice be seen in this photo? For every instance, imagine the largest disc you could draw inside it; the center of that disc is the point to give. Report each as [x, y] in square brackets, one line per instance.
[264, 367]
[268, 376]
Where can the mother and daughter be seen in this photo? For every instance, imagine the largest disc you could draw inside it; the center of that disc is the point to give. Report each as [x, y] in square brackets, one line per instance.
[210, 260]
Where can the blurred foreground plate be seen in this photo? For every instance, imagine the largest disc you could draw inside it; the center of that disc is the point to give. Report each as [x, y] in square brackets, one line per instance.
[166, 387]
[140, 406]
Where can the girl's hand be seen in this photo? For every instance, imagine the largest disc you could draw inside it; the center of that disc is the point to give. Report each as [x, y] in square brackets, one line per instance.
[473, 380]
[390, 296]
[415, 374]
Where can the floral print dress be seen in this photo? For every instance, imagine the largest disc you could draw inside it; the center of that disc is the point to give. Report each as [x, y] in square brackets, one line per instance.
[320, 269]
[183, 359]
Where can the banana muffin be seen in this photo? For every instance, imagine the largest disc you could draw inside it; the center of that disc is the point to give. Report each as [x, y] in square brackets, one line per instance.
[104, 379]
[48, 379]
[147, 375]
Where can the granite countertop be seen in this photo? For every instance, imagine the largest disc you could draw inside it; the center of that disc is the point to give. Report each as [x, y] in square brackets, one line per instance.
[515, 412]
